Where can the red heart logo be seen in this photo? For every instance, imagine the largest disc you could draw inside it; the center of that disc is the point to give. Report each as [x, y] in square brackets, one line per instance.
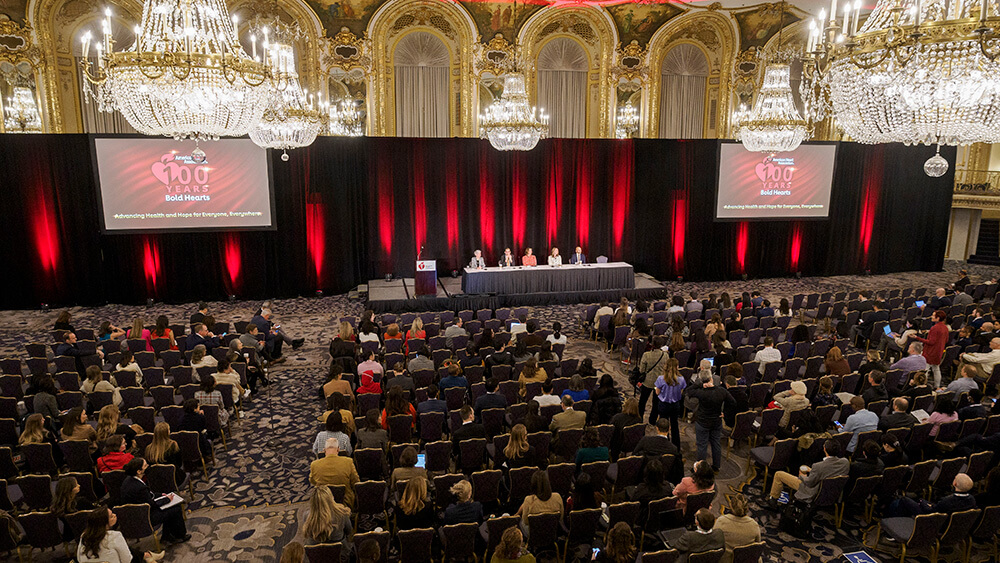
[761, 170]
[161, 170]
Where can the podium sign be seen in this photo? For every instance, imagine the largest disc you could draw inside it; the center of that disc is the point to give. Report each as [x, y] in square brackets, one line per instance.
[425, 279]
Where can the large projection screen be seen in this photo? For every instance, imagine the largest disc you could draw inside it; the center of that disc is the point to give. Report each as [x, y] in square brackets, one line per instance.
[155, 185]
[782, 186]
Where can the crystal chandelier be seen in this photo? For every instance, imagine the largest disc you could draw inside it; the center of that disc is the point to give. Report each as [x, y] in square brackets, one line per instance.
[20, 113]
[510, 123]
[774, 124]
[293, 121]
[346, 119]
[186, 76]
[626, 122]
[916, 71]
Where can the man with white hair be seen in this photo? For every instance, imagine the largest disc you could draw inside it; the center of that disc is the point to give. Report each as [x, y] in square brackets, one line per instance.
[274, 337]
[982, 362]
[477, 262]
[940, 300]
[914, 361]
[708, 418]
[335, 469]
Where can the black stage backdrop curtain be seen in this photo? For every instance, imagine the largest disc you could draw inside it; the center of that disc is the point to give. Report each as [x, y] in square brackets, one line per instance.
[349, 210]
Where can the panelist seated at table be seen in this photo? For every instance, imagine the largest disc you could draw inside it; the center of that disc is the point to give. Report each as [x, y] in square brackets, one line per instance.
[507, 260]
[554, 258]
[578, 257]
[529, 258]
[477, 261]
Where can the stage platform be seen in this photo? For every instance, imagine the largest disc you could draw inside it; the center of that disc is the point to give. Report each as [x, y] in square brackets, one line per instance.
[398, 296]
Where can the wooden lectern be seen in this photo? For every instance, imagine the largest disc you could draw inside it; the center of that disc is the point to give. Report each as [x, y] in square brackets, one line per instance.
[425, 279]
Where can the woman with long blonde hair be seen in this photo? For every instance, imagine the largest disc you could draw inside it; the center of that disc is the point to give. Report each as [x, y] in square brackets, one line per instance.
[163, 449]
[138, 332]
[519, 452]
[328, 520]
[346, 331]
[413, 510]
[109, 424]
[511, 547]
[34, 430]
[416, 329]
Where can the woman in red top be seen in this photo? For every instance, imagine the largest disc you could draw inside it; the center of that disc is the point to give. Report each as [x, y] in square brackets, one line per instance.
[163, 330]
[529, 258]
[114, 454]
[937, 339]
[396, 403]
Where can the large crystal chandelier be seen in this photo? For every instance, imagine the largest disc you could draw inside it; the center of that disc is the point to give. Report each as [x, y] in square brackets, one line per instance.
[346, 119]
[626, 122]
[186, 76]
[774, 124]
[20, 113]
[293, 121]
[510, 123]
[916, 71]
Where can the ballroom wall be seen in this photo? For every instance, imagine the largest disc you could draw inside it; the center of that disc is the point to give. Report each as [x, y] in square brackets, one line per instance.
[349, 210]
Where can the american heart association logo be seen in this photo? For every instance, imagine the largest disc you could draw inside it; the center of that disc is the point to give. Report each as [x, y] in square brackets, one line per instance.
[169, 172]
[768, 171]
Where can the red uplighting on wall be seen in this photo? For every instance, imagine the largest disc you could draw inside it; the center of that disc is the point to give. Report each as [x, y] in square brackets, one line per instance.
[872, 186]
[742, 236]
[151, 264]
[419, 206]
[622, 176]
[485, 203]
[553, 192]
[519, 207]
[46, 233]
[234, 262]
[678, 230]
[584, 196]
[451, 196]
[316, 236]
[386, 206]
[796, 247]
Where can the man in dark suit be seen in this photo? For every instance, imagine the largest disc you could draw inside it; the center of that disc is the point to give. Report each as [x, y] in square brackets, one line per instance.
[806, 484]
[134, 491]
[898, 418]
[578, 257]
[432, 404]
[470, 429]
[69, 347]
[765, 310]
[868, 322]
[491, 399]
[199, 317]
[959, 501]
[704, 538]
[502, 356]
[939, 301]
[201, 335]
[862, 304]
[654, 446]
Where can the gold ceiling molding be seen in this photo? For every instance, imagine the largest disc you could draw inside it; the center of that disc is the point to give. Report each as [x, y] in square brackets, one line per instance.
[17, 45]
[347, 52]
[714, 33]
[496, 57]
[451, 23]
[596, 32]
[631, 64]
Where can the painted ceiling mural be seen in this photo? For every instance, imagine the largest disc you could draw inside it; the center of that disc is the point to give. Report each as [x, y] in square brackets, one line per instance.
[635, 20]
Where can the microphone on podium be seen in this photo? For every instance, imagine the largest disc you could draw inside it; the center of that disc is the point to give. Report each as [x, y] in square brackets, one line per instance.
[419, 252]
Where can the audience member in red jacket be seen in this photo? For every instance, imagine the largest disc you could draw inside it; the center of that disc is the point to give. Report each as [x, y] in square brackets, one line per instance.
[114, 454]
[937, 339]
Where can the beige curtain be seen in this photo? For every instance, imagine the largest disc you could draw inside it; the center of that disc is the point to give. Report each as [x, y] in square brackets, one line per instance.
[683, 81]
[95, 121]
[562, 87]
[421, 69]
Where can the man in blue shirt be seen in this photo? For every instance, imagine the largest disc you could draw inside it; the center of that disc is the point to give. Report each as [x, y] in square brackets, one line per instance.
[915, 361]
[432, 404]
[863, 420]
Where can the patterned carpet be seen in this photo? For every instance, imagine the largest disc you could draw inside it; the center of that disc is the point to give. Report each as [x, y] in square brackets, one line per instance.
[251, 503]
